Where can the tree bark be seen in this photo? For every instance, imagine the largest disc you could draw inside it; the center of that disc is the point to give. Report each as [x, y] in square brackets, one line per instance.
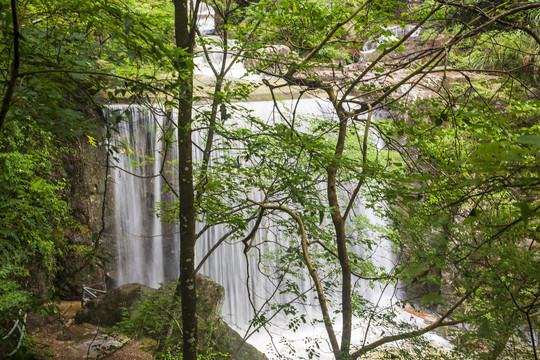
[186, 288]
[8, 96]
[339, 226]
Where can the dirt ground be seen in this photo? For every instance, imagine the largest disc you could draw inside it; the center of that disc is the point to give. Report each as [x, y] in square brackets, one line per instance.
[57, 337]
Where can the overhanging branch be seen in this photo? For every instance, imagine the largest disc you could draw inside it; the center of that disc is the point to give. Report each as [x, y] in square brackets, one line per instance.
[312, 272]
[411, 334]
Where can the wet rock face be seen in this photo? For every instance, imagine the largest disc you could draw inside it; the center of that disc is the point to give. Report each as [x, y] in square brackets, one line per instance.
[86, 171]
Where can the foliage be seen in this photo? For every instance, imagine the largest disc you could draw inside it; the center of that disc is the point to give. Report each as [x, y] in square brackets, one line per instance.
[460, 177]
[459, 172]
[508, 46]
[170, 356]
[49, 109]
[34, 215]
[152, 316]
[302, 26]
[470, 209]
[69, 51]
[511, 52]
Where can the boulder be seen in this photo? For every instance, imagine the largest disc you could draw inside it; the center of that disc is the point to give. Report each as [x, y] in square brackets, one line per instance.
[278, 50]
[211, 298]
[271, 52]
[219, 336]
[240, 349]
[106, 310]
[368, 56]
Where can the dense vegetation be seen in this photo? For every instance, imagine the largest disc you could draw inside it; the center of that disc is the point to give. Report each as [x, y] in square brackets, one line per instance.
[63, 57]
[459, 172]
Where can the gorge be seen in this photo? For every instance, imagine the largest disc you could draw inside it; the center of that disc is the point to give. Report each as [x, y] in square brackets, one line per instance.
[363, 174]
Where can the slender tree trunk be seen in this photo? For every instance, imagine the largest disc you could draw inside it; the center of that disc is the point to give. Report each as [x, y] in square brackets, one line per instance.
[339, 227]
[186, 288]
[8, 96]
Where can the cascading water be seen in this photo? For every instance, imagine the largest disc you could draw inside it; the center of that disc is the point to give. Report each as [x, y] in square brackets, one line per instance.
[138, 231]
[147, 250]
[398, 32]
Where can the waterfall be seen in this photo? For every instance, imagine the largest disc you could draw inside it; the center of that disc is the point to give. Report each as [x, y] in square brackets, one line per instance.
[138, 231]
[148, 250]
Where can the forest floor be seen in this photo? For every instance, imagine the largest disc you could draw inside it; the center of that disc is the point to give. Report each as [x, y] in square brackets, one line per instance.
[58, 337]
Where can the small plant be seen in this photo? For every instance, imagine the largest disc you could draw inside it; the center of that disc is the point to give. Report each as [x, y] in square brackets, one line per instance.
[209, 356]
[157, 320]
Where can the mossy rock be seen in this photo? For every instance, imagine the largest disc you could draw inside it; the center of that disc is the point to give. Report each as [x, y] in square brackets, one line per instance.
[107, 310]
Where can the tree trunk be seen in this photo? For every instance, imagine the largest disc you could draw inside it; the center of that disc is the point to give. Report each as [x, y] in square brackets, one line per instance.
[186, 288]
[339, 227]
[8, 96]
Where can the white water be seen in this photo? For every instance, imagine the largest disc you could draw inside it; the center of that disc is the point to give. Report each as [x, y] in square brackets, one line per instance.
[398, 32]
[212, 54]
[205, 20]
[147, 250]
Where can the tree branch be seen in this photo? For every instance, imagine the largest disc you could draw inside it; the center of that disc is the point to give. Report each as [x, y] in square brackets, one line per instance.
[312, 272]
[439, 323]
[364, 163]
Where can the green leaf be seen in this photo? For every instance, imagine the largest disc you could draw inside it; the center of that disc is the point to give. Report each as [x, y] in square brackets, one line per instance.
[408, 199]
[414, 271]
[470, 220]
[463, 283]
[36, 184]
[440, 119]
[469, 182]
[432, 298]
[532, 139]
[525, 210]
